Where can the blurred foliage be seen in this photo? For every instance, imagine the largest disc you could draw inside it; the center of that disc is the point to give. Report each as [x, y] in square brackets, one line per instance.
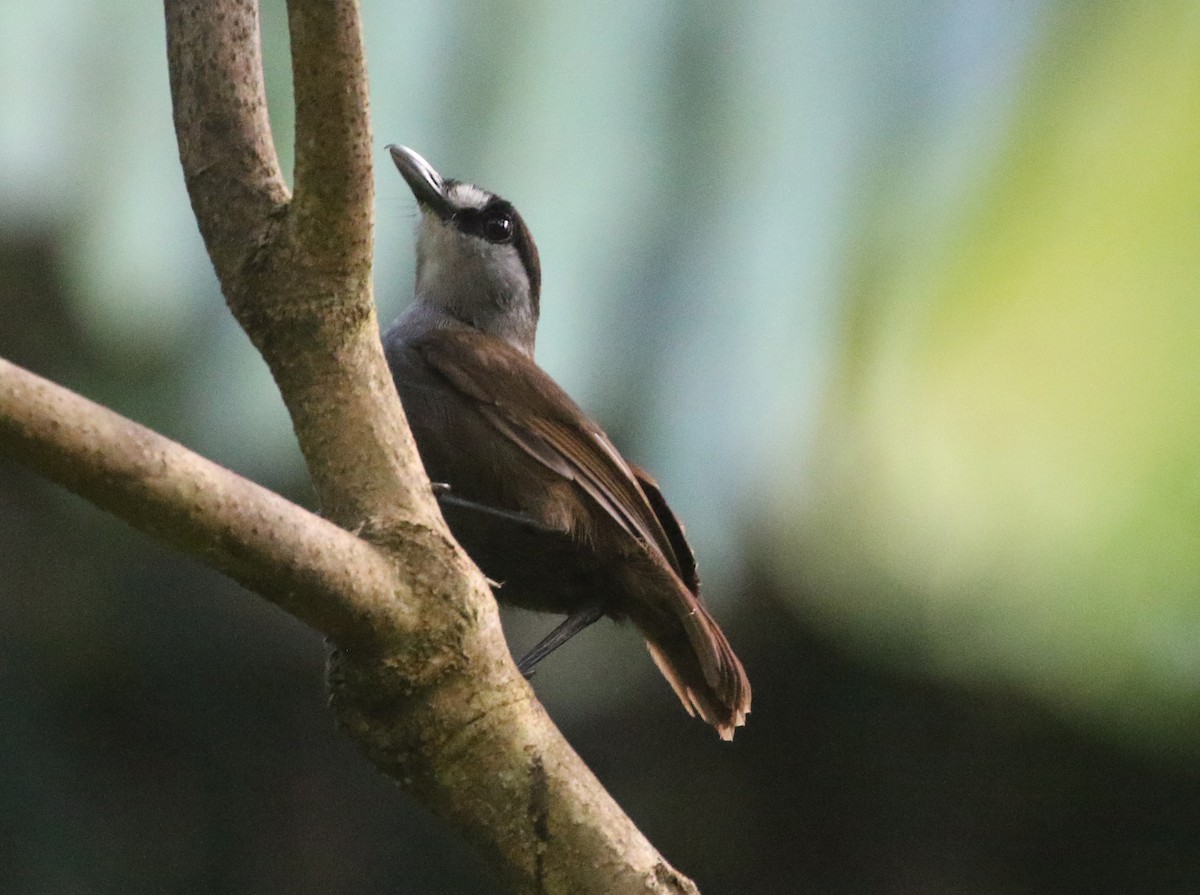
[1008, 476]
[897, 301]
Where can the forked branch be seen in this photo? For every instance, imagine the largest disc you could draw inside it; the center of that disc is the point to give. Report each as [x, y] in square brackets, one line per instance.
[421, 676]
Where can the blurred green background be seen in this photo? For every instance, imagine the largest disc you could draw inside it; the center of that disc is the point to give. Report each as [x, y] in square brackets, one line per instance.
[901, 303]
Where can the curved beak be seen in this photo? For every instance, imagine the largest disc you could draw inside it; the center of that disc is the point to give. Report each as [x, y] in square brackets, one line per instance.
[427, 184]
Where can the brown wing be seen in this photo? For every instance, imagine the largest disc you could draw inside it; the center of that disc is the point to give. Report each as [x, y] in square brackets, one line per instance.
[685, 558]
[552, 429]
[687, 644]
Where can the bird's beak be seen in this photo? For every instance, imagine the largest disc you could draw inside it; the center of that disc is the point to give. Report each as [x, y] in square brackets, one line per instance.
[427, 184]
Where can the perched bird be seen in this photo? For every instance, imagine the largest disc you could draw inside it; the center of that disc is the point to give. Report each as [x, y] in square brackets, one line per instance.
[530, 486]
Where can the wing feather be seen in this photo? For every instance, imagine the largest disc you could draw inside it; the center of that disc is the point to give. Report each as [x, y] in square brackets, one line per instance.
[530, 409]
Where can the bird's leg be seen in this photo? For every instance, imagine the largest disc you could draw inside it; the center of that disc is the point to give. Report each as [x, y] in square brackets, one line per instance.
[550, 538]
[572, 625]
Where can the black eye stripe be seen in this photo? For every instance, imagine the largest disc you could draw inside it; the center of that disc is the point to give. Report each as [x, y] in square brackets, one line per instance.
[468, 220]
[495, 222]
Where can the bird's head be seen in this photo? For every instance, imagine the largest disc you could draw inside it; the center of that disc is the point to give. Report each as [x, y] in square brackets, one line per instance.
[476, 260]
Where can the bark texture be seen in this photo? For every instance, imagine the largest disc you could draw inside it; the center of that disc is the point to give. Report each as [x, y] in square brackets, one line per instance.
[421, 677]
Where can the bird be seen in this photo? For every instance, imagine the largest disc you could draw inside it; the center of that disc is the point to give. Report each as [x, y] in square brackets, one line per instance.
[530, 486]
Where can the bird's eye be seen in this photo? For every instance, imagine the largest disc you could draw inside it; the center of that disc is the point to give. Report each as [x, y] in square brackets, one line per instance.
[497, 227]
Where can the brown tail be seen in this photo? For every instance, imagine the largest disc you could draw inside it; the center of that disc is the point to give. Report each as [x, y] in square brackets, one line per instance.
[698, 662]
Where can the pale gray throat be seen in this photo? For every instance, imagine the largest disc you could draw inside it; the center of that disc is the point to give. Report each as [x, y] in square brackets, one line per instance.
[480, 284]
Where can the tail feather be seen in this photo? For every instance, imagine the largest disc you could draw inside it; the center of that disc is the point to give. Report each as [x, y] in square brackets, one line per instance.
[703, 670]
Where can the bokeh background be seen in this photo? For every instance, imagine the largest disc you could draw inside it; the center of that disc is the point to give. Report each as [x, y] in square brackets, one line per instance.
[900, 301]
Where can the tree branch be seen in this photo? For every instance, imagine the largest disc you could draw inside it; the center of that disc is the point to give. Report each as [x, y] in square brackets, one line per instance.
[334, 185]
[221, 124]
[297, 273]
[324, 576]
[421, 676]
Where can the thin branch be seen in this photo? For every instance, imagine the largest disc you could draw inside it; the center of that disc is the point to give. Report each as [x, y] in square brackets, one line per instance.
[224, 134]
[337, 583]
[333, 207]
